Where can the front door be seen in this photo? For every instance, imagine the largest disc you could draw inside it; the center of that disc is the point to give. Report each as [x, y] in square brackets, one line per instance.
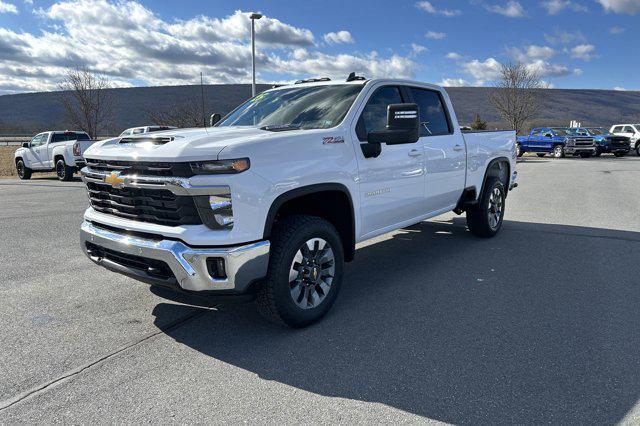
[391, 184]
[37, 150]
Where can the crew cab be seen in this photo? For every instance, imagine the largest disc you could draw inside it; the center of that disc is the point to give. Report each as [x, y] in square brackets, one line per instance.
[59, 150]
[631, 131]
[145, 129]
[543, 140]
[557, 141]
[272, 200]
[606, 143]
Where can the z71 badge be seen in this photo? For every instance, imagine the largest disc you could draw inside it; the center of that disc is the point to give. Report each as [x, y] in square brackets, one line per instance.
[332, 139]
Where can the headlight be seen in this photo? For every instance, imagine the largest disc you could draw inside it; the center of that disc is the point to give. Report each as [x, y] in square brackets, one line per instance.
[218, 167]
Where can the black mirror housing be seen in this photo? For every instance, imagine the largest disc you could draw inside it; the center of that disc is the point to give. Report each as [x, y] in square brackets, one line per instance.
[214, 119]
[25, 144]
[403, 126]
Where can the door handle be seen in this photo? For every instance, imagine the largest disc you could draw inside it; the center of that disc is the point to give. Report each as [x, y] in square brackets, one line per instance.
[458, 147]
[414, 153]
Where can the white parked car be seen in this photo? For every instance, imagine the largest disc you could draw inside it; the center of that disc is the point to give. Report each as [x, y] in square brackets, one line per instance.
[145, 129]
[60, 151]
[632, 131]
[273, 199]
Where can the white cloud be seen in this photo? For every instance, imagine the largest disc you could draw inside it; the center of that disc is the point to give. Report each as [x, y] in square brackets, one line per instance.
[616, 30]
[546, 69]
[621, 6]
[417, 49]
[8, 7]
[583, 52]
[454, 56]
[130, 43]
[482, 71]
[430, 8]
[556, 6]
[511, 9]
[531, 52]
[433, 35]
[453, 82]
[339, 37]
[620, 89]
[565, 37]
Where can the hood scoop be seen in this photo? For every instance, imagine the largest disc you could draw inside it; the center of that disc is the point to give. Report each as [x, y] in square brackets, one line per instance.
[155, 140]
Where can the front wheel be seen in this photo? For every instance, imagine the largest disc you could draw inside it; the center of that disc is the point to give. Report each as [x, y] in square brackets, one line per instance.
[485, 219]
[64, 172]
[305, 271]
[558, 151]
[24, 173]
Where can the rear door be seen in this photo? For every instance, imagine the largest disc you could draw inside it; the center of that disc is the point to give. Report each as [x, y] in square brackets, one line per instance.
[444, 148]
[391, 184]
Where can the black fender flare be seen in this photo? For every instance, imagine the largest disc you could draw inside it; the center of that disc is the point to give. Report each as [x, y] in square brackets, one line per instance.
[498, 160]
[308, 190]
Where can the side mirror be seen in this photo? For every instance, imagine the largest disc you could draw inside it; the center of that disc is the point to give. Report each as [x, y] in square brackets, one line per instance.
[26, 144]
[403, 126]
[214, 119]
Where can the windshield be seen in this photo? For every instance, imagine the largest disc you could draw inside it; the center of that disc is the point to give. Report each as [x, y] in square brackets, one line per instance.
[561, 131]
[316, 107]
[595, 131]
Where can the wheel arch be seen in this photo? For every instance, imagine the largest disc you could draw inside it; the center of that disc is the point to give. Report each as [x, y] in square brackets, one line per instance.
[326, 200]
[501, 168]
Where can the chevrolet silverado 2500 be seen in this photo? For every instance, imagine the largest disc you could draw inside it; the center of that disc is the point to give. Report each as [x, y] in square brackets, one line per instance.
[273, 199]
[59, 151]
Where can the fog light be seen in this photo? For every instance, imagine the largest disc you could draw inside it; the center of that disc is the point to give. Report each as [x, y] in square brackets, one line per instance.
[216, 267]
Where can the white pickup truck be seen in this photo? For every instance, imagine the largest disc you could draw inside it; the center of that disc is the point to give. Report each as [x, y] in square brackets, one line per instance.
[272, 200]
[60, 151]
[632, 131]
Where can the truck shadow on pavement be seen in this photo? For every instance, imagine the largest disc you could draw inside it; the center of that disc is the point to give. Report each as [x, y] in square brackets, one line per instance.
[539, 324]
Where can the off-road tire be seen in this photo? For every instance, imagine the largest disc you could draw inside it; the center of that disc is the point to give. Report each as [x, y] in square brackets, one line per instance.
[274, 299]
[64, 172]
[478, 218]
[23, 172]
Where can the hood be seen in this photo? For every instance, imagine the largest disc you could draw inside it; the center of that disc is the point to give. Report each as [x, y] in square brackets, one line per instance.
[183, 144]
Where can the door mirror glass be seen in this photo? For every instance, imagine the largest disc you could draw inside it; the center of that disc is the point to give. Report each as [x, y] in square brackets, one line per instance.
[26, 144]
[403, 126]
[214, 119]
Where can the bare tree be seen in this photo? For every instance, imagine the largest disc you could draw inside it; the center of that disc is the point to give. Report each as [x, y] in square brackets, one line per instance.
[516, 94]
[185, 114]
[86, 100]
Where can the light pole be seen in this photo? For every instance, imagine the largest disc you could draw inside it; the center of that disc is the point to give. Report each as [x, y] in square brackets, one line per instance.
[253, 17]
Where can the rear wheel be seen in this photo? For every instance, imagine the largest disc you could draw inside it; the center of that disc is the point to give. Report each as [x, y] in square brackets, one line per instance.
[64, 172]
[23, 171]
[485, 219]
[558, 151]
[305, 271]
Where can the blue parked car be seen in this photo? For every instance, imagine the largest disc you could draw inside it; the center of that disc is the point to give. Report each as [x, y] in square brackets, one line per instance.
[544, 140]
[605, 141]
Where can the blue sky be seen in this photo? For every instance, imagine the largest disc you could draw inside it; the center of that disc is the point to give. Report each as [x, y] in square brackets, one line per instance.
[571, 44]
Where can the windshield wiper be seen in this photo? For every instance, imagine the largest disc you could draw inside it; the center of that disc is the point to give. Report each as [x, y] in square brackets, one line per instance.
[280, 127]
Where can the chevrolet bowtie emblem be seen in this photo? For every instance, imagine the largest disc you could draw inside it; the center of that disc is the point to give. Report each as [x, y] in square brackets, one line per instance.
[114, 180]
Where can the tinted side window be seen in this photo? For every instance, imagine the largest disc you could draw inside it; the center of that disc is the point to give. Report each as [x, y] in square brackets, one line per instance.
[433, 118]
[374, 115]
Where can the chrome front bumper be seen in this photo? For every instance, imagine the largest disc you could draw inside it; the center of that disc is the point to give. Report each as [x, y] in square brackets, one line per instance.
[243, 264]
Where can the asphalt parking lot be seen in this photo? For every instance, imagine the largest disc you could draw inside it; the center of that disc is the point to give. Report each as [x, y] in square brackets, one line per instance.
[538, 325]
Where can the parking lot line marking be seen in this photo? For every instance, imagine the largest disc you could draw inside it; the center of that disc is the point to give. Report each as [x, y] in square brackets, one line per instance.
[7, 403]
